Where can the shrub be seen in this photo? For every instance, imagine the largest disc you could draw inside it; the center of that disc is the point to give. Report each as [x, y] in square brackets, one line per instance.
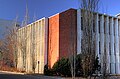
[62, 67]
[48, 71]
[78, 68]
[96, 66]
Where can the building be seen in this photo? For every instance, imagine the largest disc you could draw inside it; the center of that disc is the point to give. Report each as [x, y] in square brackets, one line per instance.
[62, 36]
[107, 32]
[32, 47]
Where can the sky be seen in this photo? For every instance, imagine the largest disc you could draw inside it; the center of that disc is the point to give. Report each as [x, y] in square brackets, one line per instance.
[9, 9]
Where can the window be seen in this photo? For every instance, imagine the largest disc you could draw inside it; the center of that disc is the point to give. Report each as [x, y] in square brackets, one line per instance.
[99, 48]
[17, 25]
[93, 25]
[99, 25]
[114, 49]
[104, 27]
[81, 23]
[109, 27]
[109, 49]
[115, 67]
[119, 27]
[114, 27]
[110, 68]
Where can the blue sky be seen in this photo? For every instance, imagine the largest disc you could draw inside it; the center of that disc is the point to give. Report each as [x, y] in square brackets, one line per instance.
[9, 9]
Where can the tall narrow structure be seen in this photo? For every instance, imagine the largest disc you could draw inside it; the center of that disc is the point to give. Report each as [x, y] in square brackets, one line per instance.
[32, 48]
[62, 35]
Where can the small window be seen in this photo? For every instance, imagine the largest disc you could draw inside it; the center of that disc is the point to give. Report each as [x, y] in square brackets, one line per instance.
[104, 27]
[114, 27]
[99, 48]
[93, 25]
[114, 49]
[17, 25]
[110, 68]
[119, 27]
[109, 27]
[81, 23]
[99, 25]
[109, 49]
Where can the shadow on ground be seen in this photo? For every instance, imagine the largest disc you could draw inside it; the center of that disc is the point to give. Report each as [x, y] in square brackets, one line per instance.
[16, 76]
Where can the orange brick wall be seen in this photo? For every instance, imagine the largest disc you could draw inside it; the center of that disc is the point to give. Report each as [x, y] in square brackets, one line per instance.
[53, 40]
[62, 27]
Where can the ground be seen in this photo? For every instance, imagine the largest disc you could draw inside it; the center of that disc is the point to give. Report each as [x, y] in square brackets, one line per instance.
[7, 75]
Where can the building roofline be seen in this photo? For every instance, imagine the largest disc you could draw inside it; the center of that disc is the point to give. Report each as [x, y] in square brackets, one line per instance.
[67, 10]
[61, 12]
[117, 15]
[32, 23]
[103, 14]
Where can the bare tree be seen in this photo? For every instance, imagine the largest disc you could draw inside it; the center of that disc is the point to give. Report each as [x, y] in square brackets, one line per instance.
[22, 38]
[22, 45]
[88, 8]
[105, 72]
[34, 17]
[33, 46]
[9, 45]
[26, 18]
[14, 39]
[105, 69]
[71, 50]
[2, 53]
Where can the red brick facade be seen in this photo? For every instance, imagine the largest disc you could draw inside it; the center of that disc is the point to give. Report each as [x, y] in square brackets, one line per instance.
[62, 35]
[53, 40]
[67, 35]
